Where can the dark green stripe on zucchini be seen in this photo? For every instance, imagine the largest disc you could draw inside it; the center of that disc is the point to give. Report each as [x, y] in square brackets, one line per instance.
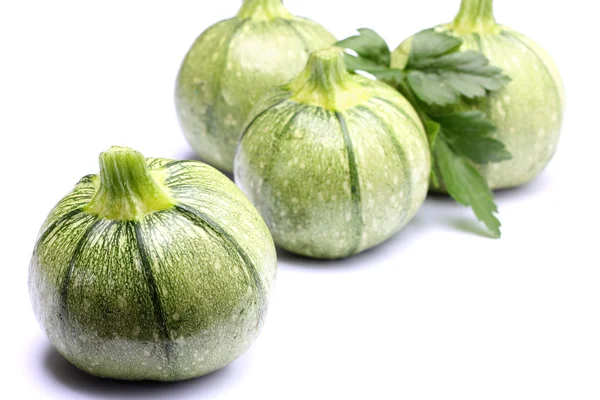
[66, 279]
[266, 110]
[153, 289]
[212, 122]
[406, 173]
[401, 111]
[51, 229]
[204, 221]
[276, 142]
[354, 183]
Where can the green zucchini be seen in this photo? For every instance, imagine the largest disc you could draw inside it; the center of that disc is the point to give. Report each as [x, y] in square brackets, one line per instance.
[335, 163]
[231, 65]
[155, 269]
[528, 112]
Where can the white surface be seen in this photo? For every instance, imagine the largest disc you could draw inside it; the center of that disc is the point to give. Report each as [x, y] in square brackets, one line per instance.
[438, 312]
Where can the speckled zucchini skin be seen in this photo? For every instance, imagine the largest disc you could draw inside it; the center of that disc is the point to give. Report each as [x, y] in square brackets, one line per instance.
[175, 295]
[229, 67]
[528, 112]
[330, 183]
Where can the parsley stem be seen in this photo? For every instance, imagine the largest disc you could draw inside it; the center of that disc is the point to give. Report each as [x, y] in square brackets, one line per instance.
[408, 94]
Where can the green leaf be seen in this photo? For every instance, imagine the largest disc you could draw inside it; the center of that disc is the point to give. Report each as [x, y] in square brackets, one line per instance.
[391, 76]
[469, 134]
[430, 44]
[431, 89]
[466, 185]
[368, 45]
[354, 63]
[373, 57]
[438, 73]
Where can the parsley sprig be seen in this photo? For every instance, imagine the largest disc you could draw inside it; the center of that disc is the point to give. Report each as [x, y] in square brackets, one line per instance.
[437, 74]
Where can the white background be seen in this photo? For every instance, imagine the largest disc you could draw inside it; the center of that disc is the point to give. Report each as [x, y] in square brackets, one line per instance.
[438, 312]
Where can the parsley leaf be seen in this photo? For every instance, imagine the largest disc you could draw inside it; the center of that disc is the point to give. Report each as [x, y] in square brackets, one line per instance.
[370, 46]
[430, 44]
[438, 73]
[469, 135]
[373, 56]
[391, 76]
[466, 185]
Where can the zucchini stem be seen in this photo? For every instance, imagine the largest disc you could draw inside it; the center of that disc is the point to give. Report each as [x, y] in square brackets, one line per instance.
[263, 10]
[127, 190]
[475, 16]
[325, 82]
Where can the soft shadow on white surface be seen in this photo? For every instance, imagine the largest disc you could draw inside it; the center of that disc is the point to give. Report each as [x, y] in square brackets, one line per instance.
[452, 219]
[441, 209]
[62, 373]
[536, 187]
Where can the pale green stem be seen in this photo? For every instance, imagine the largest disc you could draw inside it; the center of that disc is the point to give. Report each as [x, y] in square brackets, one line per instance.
[324, 81]
[127, 191]
[475, 16]
[263, 10]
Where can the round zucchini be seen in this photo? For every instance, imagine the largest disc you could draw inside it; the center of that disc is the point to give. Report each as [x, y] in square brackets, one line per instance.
[231, 65]
[153, 270]
[336, 163]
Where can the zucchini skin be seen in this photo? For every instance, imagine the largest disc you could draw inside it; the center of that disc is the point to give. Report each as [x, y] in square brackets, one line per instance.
[228, 68]
[172, 296]
[333, 183]
[528, 112]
